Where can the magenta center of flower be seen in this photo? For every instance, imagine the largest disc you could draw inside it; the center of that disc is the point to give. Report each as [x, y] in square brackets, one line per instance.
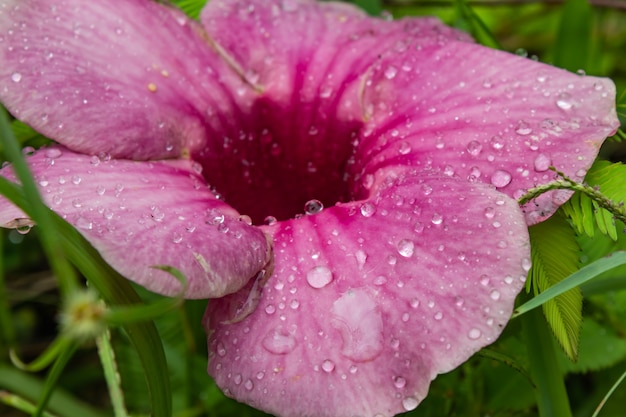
[282, 160]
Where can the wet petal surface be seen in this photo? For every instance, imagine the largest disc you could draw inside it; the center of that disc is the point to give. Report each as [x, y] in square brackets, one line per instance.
[370, 300]
[97, 77]
[306, 61]
[142, 214]
[499, 119]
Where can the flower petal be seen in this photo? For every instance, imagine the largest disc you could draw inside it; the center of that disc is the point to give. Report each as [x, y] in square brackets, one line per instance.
[485, 115]
[97, 77]
[142, 214]
[307, 61]
[369, 301]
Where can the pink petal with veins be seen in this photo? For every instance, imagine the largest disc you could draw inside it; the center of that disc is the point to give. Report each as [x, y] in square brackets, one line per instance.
[130, 78]
[370, 300]
[142, 214]
[484, 115]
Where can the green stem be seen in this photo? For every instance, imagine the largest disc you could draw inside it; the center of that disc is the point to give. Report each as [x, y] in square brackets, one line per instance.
[111, 374]
[550, 392]
[7, 332]
[30, 388]
[53, 377]
[565, 183]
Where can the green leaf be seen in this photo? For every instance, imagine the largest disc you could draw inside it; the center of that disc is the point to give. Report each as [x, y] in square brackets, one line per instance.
[469, 20]
[586, 214]
[600, 348]
[547, 376]
[192, 8]
[583, 275]
[572, 46]
[555, 255]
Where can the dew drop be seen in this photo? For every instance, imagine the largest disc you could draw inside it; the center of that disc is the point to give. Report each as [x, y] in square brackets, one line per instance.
[501, 178]
[490, 212]
[406, 248]
[271, 220]
[313, 207]
[249, 385]
[319, 276]
[279, 341]
[474, 334]
[564, 101]
[270, 309]
[391, 72]
[368, 209]
[328, 366]
[357, 317]
[542, 163]
[526, 264]
[53, 153]
[409, 403]
[474, 148]
[437, 219]
[495, 295]
[523, 128]
[438, 315]
[16, 77]
[221, 350]
[497, 142]
[399, 382]
[23, 229]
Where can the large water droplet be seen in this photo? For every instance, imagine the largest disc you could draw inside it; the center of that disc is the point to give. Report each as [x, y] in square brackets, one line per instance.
[474, 334]
[358, 319]
[501, 178]
[313, 207]
[16, 77]
[542, 163]
[391, 72]
[368, 209]
[564, 101]
[319, 276]
[523, 128]
[328, 366]
[409, 403]
[474, 148]
[279, 341]
[406, 248]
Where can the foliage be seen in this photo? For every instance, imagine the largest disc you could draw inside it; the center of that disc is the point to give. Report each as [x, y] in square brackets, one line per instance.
[158, 361]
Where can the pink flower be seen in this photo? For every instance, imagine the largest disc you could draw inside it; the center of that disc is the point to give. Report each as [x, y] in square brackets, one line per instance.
[389, 152]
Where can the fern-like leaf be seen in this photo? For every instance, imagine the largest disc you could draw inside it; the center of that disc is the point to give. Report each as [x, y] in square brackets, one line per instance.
[586, 214]
[555, 256]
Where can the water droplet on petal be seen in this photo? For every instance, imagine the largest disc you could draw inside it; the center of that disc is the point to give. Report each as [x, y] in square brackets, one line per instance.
[313, 207]
[279, 341]
[526, 264]
[564, 101]
[497, 142]
[474, 334]
[368, 209]
[319, 276]
[542, 163]
[523, 128]
[358, 319]
[495, 295]
[474, 148]
[437, 219]
[16, 77]
[328, 366]
[501, 178]
[391, 72]
[406, 248]
[399, 382]
[409, 403]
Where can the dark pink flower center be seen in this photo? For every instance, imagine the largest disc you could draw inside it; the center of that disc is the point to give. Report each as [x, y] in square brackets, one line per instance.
[282, 159]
